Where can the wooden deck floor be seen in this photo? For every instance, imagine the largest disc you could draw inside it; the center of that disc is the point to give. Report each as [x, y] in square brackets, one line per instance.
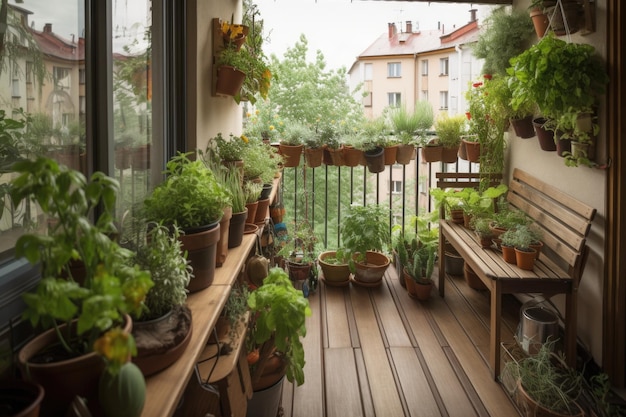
[377, 352]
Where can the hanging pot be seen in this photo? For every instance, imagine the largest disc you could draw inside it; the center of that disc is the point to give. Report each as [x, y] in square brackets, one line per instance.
[540, 21]
[352, 156]
[524, 127]
[375, 159]
[449, 155]
[405, 154]
[544, 137]
[390, 154]
[313, 157]
[291, 154]
[229, 80]
[336, 155]
[432, 153]
[473, 150]
[462, 151]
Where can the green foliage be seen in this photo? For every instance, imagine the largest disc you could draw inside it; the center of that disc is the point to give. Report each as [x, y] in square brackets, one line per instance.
[558, 76]
[418, 259]
[279, 312]
[236, 304]
[505, 35]
[406, 125]
[123, 393]
[189, 197]
[260, 160]
[110, 287]
[365, 228]
[547, 379]
[252, 191]
[227, 149]
[449, 129]
[161, 254]
[481, 225]
[301, 245]
[296, 133]
[507, 218]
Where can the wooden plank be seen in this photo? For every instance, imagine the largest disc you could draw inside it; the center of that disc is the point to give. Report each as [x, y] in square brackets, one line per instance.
[414, 384]
[431, 343]
[343, 396]
[383, 389]
[390, 323]
[308, 399]
[336, 318]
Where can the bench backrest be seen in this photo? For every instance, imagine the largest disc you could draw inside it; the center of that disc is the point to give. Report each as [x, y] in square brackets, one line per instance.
[565, 221]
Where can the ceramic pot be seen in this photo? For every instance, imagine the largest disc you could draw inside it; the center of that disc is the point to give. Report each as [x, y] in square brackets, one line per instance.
[201, 247]
[423, 290]
[236, 228]
[291, 154]
[334, 274]
[229, 80]
[352, 156]
[405, 154]
[473, 150]
[508, 254]
[544, 137]
[262, 211]
[252, 208]
[409, 283]
[313, 157]
[390, 154]
[525, 259]
[372, 270]
[432, 153]
[21, 398]
[336, 155]
[540, 21]
[524, 127]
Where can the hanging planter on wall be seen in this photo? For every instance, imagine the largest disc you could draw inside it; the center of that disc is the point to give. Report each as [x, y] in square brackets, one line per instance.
[229, 80]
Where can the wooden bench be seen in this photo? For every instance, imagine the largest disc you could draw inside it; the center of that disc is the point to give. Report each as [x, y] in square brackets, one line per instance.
[565, 223]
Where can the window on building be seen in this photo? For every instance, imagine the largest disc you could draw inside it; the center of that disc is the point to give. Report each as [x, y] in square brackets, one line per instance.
[443, 66]
[28, 73]
[394, 70]
[81, 76]
[443, 100]
[394, 99]
[424, 67]
[368, 72]
[395, 187]
[61, 77]
[424, 96]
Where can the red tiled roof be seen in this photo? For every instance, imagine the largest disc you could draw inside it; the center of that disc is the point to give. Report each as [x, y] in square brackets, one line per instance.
[420, 42]
[55, 46]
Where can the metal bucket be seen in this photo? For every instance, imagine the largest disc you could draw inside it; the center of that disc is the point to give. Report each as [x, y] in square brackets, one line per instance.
[538, 324]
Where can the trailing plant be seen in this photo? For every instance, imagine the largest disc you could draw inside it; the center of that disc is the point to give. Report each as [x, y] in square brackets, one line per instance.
[279, 312]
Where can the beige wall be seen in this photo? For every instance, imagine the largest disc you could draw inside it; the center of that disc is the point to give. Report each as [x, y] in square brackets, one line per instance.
[586, 184]
[208, 115]
[381, 84]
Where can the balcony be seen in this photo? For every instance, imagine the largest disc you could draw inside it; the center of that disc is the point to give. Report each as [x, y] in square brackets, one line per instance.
[376, 351]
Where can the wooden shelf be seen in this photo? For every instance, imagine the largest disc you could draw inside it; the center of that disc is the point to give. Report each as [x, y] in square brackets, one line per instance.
[164, 390]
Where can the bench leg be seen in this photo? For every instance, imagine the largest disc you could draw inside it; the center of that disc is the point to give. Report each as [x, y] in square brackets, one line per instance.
[494, 341]
[570, 329]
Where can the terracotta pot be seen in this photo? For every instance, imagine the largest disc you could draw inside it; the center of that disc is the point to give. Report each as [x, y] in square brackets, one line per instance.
[390, 154]
[63, 380]
[508, 254]
[485, 240]
[525, 259]
[540, 21]
[405, 154]
[372, 270]
[201, 248]
[252, 208]
[236, 228]
[472, 280]
[524, 127]
[534, 409]
[462, 151]
[21, 398]
[173, 331]
[423, 290]
[336, 155]
[538, 248]
[327, 158]
[449, 155]
[544, 136]
[277, 213]
[432, 153]
[298, 273]
[267, 191]
[291, 154]
[222, 247]
[262, 211]
[457, 216]
[229, 80]
[352, 156]
[334, 274]
[375, 160]
[473, 150]
[409, 283]
[467, 220]
[313, 157]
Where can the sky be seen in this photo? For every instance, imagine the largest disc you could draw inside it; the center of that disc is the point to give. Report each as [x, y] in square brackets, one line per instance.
[343, 29]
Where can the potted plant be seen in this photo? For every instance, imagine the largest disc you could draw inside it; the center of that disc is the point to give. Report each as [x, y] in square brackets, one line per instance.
[545, 384]
[278, 312]
[165, 317]
[449, 130]
[409, 125]
[300, 252]
[292, 142]
[365, 235]
[524, 255]
[193, 199]
[482, 229]
[372, 140]
[86, 286]
[419, 262]
[335, 267]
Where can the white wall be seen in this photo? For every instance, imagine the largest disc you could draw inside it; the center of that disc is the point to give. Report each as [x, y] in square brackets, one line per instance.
[586, 184]
[208, 115]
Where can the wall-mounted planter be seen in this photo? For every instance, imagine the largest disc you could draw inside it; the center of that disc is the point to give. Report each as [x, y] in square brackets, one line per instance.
[229, 80]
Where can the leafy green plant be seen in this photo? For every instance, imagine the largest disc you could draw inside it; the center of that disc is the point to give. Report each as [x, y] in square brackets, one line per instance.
[522, 237]
[110, 287]
[302, 244]
[365, 228]
[161, 254]
[260, 160]
[505, 35]
[279, 312]
[481, 226]
[228, 149]
[296, 133]
[189, 197]
[252, 191]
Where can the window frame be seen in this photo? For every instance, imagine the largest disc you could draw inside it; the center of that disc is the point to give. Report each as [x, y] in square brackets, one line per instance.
[394, 69]
[444, 66]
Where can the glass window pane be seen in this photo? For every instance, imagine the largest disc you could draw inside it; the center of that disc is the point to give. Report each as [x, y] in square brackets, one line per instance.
[132, 99]
[42, 52]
